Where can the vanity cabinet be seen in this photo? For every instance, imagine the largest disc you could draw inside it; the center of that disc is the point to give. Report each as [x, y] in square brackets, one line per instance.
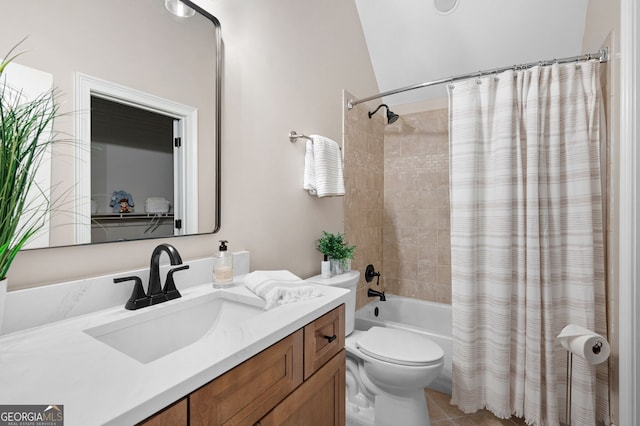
[298, 380]
[320, 401]
[246, 393]
[174, 415]
[323, 338]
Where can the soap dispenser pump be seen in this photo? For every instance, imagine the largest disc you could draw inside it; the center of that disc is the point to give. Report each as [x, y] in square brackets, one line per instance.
[223, 265]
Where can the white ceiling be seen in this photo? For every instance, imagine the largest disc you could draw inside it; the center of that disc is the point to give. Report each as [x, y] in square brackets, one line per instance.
[410, 42]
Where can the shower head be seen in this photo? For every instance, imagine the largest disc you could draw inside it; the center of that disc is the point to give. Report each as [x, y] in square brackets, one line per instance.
[391, 116]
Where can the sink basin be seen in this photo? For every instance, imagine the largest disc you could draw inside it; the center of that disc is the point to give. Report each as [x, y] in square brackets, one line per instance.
[165, 328]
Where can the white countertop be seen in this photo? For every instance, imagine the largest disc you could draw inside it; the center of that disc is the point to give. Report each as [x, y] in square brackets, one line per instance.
[60, 364]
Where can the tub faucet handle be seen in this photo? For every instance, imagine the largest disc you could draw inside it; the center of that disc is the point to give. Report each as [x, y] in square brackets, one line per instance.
[370, 272]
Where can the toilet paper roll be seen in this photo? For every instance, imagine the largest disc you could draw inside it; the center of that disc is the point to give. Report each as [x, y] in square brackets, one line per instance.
[585, 343]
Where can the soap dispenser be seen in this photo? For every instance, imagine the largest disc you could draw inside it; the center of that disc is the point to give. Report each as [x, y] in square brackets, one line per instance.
[223, 266]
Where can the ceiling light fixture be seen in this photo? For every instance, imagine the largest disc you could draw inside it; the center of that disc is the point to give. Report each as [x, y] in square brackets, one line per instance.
[445, 7]
[179, 9]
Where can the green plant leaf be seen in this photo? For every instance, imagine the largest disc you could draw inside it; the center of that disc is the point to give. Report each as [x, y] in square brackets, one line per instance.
[335, 246]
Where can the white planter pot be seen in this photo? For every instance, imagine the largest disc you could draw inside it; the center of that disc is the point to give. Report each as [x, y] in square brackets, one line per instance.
[336, 266]
[339, 266]
[3, 297]
[346, 265]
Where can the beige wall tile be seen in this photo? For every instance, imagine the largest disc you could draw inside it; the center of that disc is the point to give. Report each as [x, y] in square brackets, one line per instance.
[416, 255]
[364, 184]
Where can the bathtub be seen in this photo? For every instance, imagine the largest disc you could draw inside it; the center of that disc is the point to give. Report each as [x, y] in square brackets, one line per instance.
[428, 318]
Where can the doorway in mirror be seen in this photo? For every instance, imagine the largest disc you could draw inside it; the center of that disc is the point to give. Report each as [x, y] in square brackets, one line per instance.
[133, 180]
[132, 174]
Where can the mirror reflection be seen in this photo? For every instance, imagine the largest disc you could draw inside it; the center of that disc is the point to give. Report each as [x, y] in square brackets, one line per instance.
[128, 94]
[133, 149]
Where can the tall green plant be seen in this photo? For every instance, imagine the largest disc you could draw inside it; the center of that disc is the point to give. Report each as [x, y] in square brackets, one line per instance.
[25, 135]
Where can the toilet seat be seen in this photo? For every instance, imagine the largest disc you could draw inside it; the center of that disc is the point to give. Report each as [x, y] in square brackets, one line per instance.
[399, 347]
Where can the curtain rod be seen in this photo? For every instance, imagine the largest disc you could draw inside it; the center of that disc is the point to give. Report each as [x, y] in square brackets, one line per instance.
[602, 55]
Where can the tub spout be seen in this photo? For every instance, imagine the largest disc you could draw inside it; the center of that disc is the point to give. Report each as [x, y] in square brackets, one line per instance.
[374, 293]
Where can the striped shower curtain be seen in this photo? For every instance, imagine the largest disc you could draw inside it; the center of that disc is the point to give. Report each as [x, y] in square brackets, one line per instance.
[527, 252]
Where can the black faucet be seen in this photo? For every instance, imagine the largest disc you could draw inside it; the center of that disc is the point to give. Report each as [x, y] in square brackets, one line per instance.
[155, 292]
[373, 293]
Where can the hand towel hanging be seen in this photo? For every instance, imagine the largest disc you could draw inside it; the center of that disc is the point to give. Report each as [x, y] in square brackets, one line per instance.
[323, 167]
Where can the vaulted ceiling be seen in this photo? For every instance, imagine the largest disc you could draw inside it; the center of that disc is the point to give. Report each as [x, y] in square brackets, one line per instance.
[410, 42]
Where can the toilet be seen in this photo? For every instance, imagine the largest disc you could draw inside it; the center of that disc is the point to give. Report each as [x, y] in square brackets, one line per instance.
[387, 369]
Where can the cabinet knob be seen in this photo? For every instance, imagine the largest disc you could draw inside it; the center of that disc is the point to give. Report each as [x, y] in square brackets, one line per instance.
[330, 338]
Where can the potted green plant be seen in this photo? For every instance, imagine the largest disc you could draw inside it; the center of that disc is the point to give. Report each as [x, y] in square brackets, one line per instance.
[337, 250]
[347, 256]
[25, 135]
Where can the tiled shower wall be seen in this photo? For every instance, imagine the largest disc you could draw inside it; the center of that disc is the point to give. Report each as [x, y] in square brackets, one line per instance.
[397, 201]
[416, 254]
[364, 185]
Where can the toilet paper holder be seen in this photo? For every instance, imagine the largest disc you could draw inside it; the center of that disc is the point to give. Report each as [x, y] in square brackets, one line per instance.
[569, 383]
[599, 347]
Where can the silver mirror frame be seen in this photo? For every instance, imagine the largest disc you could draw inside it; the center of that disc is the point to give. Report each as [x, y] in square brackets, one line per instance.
[218, 101]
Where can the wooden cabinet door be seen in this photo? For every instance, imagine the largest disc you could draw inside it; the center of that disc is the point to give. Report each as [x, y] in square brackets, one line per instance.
[323, 338]
[246, 393]
[173, 415]
[320, 401]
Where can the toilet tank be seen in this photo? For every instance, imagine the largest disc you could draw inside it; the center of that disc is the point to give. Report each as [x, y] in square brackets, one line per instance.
[348, 280]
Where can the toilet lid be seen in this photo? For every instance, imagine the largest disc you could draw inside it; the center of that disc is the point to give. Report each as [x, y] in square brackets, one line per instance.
[399, 347]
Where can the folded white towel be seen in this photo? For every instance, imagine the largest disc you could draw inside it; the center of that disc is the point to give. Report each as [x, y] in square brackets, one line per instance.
[309, 169]
[156, 200]
[157, 205]
[323, 167]
[279, 287]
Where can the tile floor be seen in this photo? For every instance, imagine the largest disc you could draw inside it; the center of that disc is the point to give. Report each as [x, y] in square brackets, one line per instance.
[444, 414]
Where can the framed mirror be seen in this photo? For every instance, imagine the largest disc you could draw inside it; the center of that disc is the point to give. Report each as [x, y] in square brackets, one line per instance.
[141, 110]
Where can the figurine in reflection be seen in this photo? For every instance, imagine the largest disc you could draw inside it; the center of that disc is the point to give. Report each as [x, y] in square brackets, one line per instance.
[122, 202]
[124, 206]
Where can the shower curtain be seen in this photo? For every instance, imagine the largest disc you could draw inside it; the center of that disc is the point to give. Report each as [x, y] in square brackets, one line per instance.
[527, 252]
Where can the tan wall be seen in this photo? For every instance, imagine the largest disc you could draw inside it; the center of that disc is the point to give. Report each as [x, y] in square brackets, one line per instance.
[364, 183]
[281, 73]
